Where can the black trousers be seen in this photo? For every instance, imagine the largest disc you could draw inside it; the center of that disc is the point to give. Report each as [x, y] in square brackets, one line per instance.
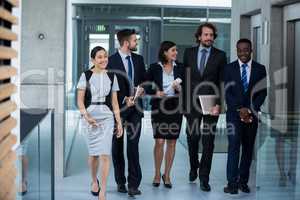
[132, 124]
[194, 134]
[240, 134]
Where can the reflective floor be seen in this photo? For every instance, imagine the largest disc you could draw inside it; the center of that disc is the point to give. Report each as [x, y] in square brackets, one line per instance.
[274, 172]
[77, 185]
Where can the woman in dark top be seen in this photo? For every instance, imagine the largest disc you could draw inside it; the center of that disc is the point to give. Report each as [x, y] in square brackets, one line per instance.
[165, 76]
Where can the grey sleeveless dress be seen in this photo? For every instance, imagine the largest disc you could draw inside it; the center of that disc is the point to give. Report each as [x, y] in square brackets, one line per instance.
[99, 139]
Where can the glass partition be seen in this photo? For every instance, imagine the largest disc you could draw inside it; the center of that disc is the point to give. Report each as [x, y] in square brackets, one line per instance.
[278, 168]
[153, 24]
[35, 159]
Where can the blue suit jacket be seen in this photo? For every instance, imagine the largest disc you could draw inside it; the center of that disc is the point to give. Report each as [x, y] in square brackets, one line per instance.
[234, 92]
[116, 65]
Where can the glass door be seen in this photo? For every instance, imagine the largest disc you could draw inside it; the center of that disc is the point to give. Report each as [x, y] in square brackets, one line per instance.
[104, 33]
[98, 39]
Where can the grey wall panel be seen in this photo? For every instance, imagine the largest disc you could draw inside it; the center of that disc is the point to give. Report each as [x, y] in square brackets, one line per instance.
[43, 64]
[297, 66]
[47, 56]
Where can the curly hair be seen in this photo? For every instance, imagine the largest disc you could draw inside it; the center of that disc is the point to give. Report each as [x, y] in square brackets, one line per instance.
[207, 25]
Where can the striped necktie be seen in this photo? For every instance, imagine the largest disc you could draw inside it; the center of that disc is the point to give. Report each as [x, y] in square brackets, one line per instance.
[244, 77]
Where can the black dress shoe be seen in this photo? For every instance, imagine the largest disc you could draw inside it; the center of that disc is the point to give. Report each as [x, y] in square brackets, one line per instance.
[204, 186]
[96, 193]
[167, 185]
[193, 175]
[292, 178]
[122, 188]
[282, 181]
[132, 192]
[244, 188]
[231, 189]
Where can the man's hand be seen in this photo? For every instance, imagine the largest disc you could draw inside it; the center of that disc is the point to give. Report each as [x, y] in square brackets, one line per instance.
[245, 115]
[215, 111]
[139, 91]
[160, 94]
[129, 101]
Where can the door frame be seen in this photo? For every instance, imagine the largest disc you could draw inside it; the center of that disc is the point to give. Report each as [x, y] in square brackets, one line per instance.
[256, 24]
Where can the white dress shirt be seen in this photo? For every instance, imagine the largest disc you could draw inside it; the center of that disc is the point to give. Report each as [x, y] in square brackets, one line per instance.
[208, 49]
[125, 62]
[248, 69]
[168, 79]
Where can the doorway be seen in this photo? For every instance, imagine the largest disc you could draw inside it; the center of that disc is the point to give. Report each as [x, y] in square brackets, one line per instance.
[104, 33]
[256, 32]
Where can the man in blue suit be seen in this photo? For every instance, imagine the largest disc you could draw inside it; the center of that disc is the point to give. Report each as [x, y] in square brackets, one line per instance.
[130, 70]
[245, 92]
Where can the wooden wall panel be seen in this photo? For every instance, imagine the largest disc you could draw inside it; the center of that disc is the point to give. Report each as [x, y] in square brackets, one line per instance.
[8, 171]
[6, 108]
[6, 15]
[7, 72]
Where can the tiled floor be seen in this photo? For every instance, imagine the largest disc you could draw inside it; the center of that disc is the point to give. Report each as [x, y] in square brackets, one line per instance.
[77, 185]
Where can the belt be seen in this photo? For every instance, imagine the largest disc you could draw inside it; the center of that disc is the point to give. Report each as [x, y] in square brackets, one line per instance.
[98, 103]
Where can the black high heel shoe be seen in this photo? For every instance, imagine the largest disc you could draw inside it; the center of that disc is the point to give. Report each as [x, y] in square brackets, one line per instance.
[24, 192]
[167, 185]
[154, 184]
[96, 193]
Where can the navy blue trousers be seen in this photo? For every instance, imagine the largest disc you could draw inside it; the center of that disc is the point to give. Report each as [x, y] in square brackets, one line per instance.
[240, 135]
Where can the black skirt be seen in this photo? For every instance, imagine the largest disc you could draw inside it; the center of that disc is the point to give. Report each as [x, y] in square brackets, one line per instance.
[166, 118]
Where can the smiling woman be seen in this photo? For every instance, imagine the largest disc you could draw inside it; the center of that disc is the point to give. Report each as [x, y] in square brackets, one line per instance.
[98, 115]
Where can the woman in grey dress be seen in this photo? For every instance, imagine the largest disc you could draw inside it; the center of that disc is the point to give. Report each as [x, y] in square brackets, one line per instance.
[99, 117]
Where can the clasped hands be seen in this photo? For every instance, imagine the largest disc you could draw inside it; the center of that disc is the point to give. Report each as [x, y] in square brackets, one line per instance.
[245, 115]
[92, 121]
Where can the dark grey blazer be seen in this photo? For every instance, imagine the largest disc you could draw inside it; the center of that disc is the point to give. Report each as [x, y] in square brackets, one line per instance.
[196, 84]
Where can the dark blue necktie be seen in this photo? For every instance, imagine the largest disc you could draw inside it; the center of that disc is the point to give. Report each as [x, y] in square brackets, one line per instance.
[129, 71]
[244, 77]
[202, 61]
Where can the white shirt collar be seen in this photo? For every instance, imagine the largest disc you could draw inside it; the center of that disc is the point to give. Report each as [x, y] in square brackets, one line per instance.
[162, 66]
[160, 63]
[123, 55]
[248, 63]
[208, 49]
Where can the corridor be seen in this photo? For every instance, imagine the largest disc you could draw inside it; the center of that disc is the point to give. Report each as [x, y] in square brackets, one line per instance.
[76, 185]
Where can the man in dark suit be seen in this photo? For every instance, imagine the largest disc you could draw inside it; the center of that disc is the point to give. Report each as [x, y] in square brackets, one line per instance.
[203, 73]
[245, 92]
[130, 70]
